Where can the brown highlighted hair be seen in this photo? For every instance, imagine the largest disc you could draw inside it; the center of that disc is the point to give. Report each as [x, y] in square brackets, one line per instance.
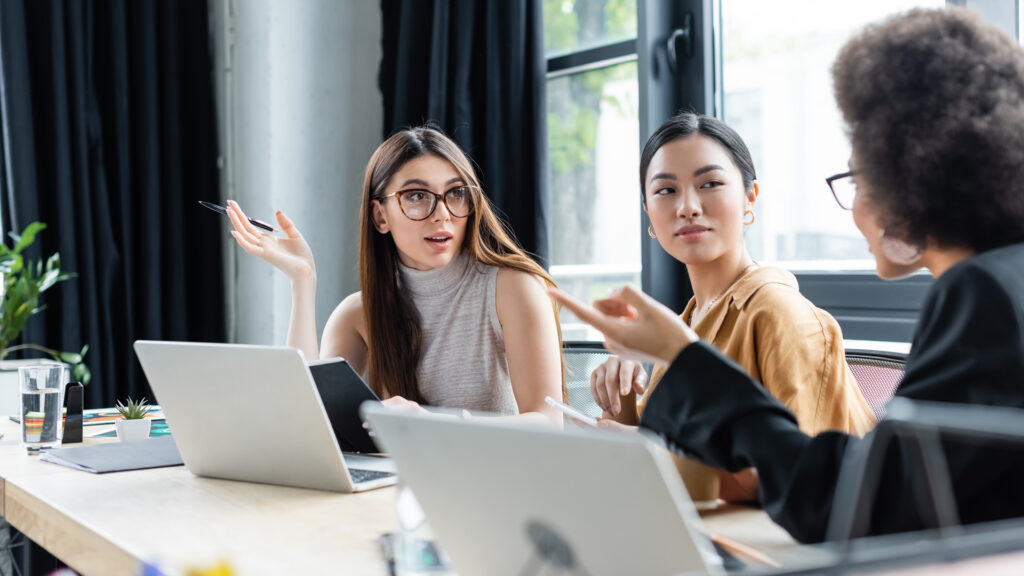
[392, 323]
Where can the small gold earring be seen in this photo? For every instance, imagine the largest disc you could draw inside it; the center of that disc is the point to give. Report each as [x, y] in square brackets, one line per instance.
[650, 231]
[752, 217]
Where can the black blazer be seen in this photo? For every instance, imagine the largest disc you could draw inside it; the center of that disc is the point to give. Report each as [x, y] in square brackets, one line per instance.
[968, 348]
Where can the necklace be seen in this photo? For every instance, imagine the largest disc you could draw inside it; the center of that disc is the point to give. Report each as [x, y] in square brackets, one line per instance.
[703, 310]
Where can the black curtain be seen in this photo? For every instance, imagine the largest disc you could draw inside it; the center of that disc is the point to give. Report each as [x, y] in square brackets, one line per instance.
[476, 69]
[109, 137]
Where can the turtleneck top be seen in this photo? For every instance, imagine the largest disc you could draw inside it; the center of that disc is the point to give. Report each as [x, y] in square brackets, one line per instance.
[463, 363]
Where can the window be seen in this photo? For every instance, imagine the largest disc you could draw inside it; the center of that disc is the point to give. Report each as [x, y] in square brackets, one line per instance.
[777, 92]
[763, 67]
[593, 146]
[576, 25]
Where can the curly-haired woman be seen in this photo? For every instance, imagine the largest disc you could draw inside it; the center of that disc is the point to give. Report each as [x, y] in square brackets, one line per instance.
[934, 103]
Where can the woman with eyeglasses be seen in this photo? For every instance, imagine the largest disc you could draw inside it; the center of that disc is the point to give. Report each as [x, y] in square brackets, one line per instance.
[698, 188]
[451, 312]
[934, 104]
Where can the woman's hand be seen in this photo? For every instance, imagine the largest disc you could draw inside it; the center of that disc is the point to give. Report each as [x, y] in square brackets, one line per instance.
[400, 403]
[614, 378]
[396, 403]
[635, 326]
[290, 254]
[738, 487]
[608, 424]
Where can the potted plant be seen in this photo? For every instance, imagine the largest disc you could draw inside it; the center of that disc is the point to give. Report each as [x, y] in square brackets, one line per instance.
[21, 283]
[133, 424]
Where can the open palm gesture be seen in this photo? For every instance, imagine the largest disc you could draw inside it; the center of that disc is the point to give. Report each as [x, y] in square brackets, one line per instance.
[290, 254]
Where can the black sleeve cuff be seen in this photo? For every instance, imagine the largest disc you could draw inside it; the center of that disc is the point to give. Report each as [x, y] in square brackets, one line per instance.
[704, 405]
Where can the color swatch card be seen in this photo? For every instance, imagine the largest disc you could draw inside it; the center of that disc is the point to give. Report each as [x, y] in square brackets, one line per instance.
[96, 416]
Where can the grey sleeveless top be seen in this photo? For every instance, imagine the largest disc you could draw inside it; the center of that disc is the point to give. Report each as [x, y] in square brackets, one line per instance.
[463, 364]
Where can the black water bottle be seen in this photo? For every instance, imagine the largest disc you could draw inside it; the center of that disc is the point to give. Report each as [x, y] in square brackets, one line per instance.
[74, 395]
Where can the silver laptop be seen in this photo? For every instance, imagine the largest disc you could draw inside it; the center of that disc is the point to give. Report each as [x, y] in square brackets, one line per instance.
[252, 413]
[507, 499]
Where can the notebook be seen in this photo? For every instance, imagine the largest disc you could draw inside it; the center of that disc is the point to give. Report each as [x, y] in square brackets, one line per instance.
[117, 456]
[507, 498]
[252, 413]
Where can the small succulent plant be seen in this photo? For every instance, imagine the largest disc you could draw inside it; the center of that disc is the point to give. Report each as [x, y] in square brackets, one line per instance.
[133, 410]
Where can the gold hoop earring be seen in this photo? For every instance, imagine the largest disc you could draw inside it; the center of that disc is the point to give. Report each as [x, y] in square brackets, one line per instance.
[650, 232]
[752, 217]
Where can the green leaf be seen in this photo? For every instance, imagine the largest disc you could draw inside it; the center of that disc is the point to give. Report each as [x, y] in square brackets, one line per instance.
[27, 237]
[17, 264]
[82, 374]
[70, 357]
[24, 289]
[6, 260]
[16, 317]
[48, 279]
[133, 410]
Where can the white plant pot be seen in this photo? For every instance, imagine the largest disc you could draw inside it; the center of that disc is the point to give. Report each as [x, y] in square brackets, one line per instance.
[132, 430]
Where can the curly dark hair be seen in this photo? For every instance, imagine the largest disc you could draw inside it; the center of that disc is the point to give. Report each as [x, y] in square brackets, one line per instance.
[934, 105]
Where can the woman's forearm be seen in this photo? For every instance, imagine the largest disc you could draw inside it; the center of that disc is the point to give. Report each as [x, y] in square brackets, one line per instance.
[302, 323]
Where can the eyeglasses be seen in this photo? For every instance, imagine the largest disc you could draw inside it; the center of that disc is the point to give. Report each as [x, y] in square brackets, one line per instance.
[418, 204]
[843, 188]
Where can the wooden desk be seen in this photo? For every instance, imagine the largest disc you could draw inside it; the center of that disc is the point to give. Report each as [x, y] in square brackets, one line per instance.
[107, 524]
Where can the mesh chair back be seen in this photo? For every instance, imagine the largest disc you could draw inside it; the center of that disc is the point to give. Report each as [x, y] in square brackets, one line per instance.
[581, 358]
[878, 374]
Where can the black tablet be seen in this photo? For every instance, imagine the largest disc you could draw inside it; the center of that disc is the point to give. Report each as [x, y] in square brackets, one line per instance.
[342, 391]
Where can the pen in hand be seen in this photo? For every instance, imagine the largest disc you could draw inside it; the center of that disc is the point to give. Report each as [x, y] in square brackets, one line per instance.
[224, 211]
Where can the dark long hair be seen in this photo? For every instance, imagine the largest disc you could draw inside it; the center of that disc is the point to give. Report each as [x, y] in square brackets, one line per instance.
[393, 326]
[686, 124]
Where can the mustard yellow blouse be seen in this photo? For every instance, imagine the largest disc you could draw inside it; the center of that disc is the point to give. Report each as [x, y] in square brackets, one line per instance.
[792, 348]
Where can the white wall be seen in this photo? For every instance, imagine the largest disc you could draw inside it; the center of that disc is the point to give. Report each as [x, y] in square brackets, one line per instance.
[299, 114]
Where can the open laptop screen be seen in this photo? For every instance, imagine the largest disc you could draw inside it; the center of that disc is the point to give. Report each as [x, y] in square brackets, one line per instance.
[342, 391]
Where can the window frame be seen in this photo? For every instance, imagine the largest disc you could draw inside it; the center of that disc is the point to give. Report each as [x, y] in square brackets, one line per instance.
[580, 61]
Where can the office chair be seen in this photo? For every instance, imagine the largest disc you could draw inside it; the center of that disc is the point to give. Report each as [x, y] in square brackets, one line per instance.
[581, 358]
[924, 424]
[921, 426]
[878, 374]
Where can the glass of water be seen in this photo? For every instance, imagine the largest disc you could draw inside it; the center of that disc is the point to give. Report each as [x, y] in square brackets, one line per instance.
[42, 388]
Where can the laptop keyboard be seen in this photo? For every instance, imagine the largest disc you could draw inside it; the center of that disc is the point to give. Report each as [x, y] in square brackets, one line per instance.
[360, 475]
